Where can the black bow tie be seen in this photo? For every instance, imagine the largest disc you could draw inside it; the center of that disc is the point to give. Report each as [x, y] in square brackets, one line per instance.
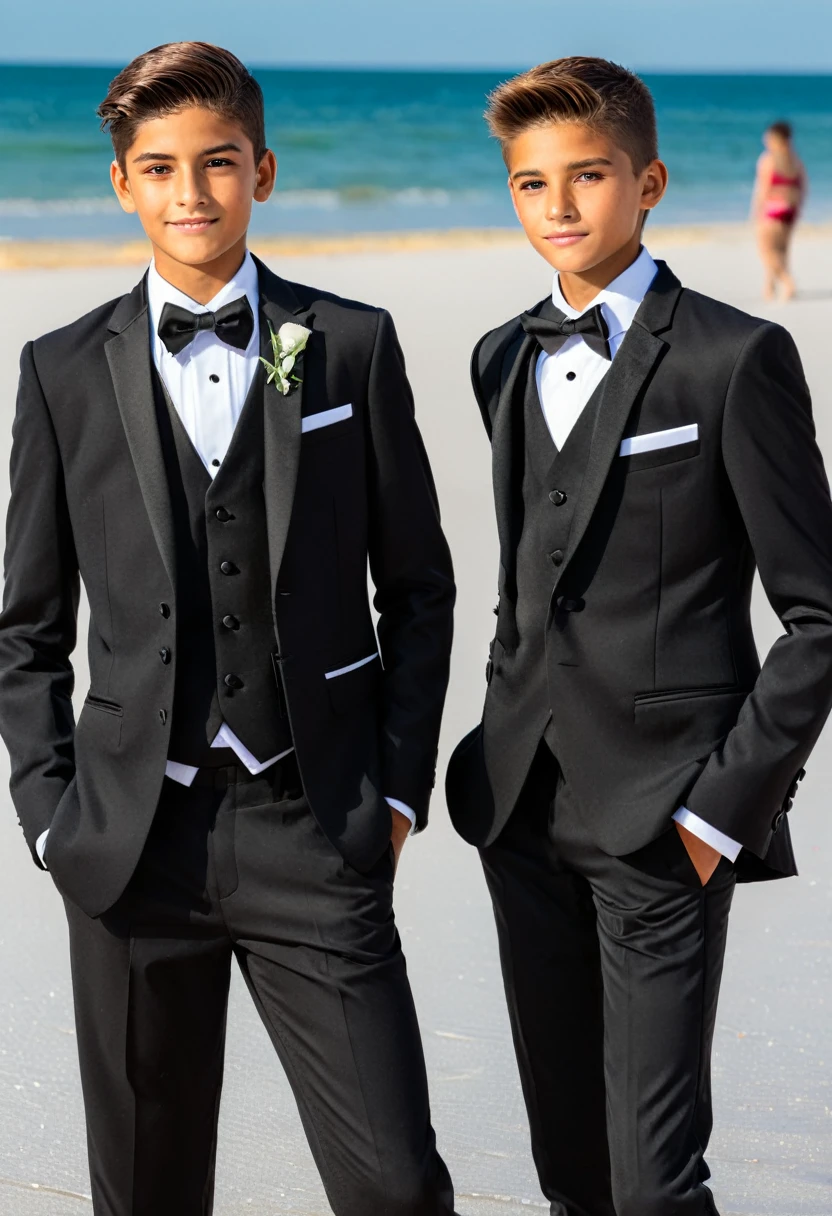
[552, 329]
[233, 323]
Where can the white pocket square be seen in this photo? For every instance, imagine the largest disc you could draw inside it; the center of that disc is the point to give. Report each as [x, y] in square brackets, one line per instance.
[314, 422]
[659, 439]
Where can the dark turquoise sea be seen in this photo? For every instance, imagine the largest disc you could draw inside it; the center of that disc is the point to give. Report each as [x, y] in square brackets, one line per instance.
[393, 150]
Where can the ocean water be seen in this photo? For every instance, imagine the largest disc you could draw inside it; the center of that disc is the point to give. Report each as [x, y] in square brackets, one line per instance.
[361, 150]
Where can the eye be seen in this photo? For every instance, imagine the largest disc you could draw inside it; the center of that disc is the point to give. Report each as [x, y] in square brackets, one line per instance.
[218, 162]
[158, 170]
[533, 186]
[589, 176]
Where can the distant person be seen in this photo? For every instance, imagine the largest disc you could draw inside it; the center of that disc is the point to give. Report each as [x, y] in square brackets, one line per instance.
[650, 446]
[247, 765]
[779, 193]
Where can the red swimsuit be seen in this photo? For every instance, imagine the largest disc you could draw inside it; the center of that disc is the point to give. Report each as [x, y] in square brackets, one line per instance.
[777, 208]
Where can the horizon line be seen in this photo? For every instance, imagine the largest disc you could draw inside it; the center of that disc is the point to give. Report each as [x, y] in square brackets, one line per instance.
[444, 68]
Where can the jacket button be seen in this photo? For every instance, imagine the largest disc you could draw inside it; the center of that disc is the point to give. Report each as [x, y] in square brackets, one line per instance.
[231, 622]
[165, 610]
[232, 681]
[557, 557]
[228, 568]
[164, 654]
[557, 497]
[222, 515]
[163, 716]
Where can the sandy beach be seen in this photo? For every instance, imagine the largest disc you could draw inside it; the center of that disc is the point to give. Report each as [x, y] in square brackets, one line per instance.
[771, 1154]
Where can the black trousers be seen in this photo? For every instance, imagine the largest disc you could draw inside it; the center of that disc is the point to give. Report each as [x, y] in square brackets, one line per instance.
[612, 969]
[237, 867]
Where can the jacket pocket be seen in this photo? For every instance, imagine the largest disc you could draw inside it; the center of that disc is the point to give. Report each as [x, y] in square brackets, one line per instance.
[660, 456]
[668, 696]
[105, 706]
[688, 723]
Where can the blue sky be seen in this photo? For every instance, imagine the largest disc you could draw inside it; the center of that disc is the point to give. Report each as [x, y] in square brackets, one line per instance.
[786, 35]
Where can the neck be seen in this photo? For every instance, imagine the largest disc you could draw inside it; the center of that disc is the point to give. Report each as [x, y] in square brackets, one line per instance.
[201, 282]
[580, 289]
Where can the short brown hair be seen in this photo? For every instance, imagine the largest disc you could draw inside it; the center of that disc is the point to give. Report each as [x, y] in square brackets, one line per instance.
[179, 74]
[595, 92]
[781, 128]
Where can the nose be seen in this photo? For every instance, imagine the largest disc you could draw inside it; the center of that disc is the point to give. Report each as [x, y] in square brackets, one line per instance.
[560, 205]
[191, 193]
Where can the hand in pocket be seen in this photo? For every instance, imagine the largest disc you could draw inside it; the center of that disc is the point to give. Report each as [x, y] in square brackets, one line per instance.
[705, 857]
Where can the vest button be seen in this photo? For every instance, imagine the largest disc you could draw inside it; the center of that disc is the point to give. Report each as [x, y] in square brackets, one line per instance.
[557, 557]
[164, 654]
[165, 610]
[232, 681]
[222, 515]
[228, 568]
[231, 622]
[557, 497]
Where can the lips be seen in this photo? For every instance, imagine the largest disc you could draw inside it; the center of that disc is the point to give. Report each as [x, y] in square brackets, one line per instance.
[192, 226]
[564, 239]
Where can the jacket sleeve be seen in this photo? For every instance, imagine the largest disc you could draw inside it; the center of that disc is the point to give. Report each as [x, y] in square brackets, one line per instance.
[39, 616]
[411, 568]
[776, 471]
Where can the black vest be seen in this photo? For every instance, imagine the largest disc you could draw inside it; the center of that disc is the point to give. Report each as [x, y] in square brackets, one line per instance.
[225, 636]
[551, 485]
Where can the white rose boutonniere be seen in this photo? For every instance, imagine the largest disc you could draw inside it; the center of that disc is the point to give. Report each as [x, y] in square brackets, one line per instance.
[289, 342]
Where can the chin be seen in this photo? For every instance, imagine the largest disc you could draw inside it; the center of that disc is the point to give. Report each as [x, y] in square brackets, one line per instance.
[574, 260]
[196, 251]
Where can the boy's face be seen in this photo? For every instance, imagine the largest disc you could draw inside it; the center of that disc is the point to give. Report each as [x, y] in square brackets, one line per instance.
[192, 179]
[577, 196]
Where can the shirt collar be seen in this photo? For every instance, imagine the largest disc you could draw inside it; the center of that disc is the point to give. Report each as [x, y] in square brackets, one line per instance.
[620, 301]
[244, 283]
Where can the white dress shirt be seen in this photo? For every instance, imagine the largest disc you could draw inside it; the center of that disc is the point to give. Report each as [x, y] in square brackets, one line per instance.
[208, 383]
[565, 383]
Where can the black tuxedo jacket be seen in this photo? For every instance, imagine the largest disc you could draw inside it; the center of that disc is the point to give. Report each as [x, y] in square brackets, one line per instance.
[89, 495]
[656, 691]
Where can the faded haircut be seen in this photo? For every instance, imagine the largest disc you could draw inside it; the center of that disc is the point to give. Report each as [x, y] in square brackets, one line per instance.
[594, 92]
[179, 74]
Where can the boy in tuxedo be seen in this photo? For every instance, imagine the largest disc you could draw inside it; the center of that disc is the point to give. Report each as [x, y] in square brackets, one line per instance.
[650, 448]
[251, 755]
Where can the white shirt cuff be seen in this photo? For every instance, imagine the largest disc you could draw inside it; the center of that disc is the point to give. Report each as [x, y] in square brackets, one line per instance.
[183, 774]
[710, 835]
[40, 846]
[404, 810]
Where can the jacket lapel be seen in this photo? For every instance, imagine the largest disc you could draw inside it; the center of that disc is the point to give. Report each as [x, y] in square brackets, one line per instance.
[129, 358]
[507, 453]
[281, 415]
[624, 382]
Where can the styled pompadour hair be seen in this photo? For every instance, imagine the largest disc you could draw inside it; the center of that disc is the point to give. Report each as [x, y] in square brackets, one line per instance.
[594, 92]
[176, 75]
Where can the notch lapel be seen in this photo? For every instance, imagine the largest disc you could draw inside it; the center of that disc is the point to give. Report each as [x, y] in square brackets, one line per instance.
[507, 455]
[129, 358]
[630, 371]
[281, 416]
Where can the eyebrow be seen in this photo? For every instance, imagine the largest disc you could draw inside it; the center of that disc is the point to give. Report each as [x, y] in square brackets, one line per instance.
[145, 156]
[570, 168]
[587, 164]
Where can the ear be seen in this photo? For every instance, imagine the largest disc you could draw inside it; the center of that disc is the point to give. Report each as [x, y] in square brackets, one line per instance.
[653, 184]
[266, 176]
[122, 187]
[513, 192]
